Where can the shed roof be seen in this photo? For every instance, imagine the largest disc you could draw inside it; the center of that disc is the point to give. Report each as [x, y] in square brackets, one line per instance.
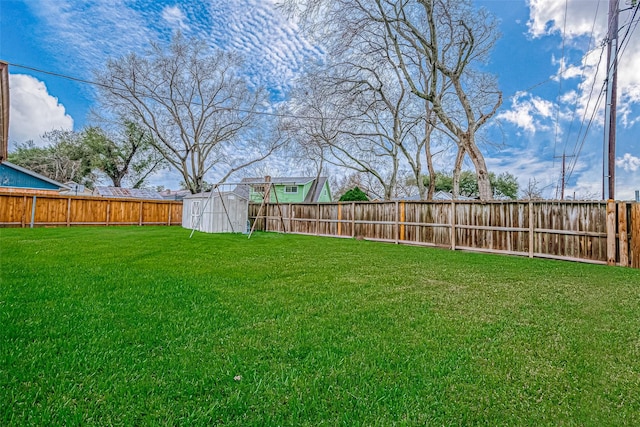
[216, 193]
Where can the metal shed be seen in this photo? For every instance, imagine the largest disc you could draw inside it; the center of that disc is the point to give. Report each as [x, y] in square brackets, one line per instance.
[216, 212]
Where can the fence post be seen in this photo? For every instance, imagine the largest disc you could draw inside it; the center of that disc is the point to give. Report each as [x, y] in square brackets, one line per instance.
[68, 211]
[353, 219]
[532, 223]
[397, 233]
[635, 235]
[403, 219]
[170, 205]
[453, 226]
[140, 221]
[339, 219]
[33, 211]
[611, 232]
[623, 239]
[23, 220]
[318, 220]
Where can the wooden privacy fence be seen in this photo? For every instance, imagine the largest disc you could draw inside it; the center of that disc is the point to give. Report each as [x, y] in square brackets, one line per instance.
[36, 210]
[595, 232]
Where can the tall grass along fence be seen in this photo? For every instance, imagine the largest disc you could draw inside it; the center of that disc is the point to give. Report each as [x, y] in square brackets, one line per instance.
[37, 210]
[595, 232]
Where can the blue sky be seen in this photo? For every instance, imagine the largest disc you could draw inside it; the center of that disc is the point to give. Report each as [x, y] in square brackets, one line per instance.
[543, 115]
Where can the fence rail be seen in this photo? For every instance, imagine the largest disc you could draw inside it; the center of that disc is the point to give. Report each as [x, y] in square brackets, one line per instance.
[594, 232]
[51, 210]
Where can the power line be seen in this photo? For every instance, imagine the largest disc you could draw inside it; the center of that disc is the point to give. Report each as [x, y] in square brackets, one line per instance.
[580, 144]
[109, 87]
[591, 120]
[266, 113]
[582, 73]
[562, 67]
[577, 150]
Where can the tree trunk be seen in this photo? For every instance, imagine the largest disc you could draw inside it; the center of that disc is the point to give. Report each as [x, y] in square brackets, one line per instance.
[428, 130]
[457, 169]
[484, 185]
[431, 189]
[391, 186]
[117, 180]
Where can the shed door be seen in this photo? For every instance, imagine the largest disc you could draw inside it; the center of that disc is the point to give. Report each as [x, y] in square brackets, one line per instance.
[195, 213]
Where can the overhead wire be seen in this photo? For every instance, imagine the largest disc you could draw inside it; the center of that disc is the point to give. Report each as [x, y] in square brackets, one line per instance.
[582, 74]
[580, 143]
[625, 39]
[577, 148]
[109, 87]
[562, 67]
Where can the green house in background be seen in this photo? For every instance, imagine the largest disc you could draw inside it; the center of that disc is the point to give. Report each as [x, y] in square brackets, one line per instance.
[290, 189]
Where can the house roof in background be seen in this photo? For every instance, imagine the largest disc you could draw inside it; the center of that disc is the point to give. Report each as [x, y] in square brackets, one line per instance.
[285, 180]
[174, 194]
[443, 195]
[313, 195]
[133, 193]
[438, 196]
[34, 174]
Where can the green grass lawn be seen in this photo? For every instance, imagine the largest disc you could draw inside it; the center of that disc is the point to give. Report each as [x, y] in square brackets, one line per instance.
[144, 326]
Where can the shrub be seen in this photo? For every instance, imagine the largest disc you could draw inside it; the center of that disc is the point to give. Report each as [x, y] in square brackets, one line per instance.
[354, 195]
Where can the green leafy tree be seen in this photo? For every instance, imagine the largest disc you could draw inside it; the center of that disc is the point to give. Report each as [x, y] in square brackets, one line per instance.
[124, 156]
[63, 159]
[354, 195]
[504, 186]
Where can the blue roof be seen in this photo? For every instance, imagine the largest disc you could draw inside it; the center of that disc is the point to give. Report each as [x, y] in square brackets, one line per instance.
[18, 177]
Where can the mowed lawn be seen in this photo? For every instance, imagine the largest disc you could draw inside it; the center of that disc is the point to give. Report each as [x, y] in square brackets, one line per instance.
[144, 326]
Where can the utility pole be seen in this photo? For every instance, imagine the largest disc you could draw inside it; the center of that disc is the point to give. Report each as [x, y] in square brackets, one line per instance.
[4, 110]
[609, 161]
[563, 175]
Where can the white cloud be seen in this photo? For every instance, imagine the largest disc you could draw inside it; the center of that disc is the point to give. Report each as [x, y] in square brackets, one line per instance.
[587, 20]
[91, 32]
[548, 16]
[628, 162]
[527, 166]
[529, 112]
[274, 47]
[175, 17]
[33, 111]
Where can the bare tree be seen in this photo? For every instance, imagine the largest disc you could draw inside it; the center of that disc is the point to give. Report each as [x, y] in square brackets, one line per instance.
[337, 127]
[435, 45]
[532, 191]
[361, 114]
[196, 105]
[448, 37]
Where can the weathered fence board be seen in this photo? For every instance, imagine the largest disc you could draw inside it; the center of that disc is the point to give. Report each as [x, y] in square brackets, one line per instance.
[50, 210]
[635, 235]
[578, 231]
